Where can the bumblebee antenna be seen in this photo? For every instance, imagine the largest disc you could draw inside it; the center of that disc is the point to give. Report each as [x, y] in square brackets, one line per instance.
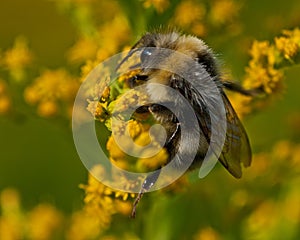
[131, 52]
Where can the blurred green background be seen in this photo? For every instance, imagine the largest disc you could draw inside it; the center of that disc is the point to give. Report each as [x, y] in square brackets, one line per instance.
[37, 154]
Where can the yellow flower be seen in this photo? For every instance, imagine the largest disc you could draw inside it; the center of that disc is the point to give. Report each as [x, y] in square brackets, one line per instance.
[265, 70]
[135, 128]
[47, 108]
[50, 89]
[207, 233]
[283, 150]
[11, 225]
[98, 203]
[84, 49]
[259, 50]
[296, 157]
[291, 204]
[293, 34]
[241, 104]
[115, 152]
[77, 1]
[262, 165]
[159, 5]
[87, 68]
[17, 58]
[261, 72]
[224, 11]
[124, 207]
[240, 198]
[9, 201]
[287, 46]
[154, 162]
[84, 226]
[132, 98]
[43, 222]
[98, 110]
[111, 41]
[188, 13]
[5, 102]
[289, 43]
[263, 221]
[102, 202]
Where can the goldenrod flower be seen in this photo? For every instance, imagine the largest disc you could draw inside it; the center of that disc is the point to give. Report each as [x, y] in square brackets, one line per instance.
[223, 11]
[274, 167]
[84, 226]
[263, 221]
[240, 198]
[289, 44]
[189, 12]
[159, 5]
[84, 49]
[101, 201]
[43, 222]
[11, 222]
[189, 15]
[264, 72]
[16, 59]
[112, 41]
[5, 102]
[207, 233]
[241, 104]
[47, 108]
[50, 89]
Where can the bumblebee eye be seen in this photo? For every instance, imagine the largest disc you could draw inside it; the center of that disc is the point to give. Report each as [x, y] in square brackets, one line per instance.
[146, 53]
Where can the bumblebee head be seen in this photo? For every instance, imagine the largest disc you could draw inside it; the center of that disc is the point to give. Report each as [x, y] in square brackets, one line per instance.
[186, 44]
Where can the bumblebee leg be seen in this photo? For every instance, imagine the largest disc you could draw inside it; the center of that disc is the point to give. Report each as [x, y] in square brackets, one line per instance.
[133, 81]
[142, 109]
[147, 184]
[174, 131]
[173, 134]
[232, 86]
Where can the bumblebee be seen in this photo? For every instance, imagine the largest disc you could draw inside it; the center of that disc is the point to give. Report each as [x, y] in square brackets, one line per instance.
[236, 150]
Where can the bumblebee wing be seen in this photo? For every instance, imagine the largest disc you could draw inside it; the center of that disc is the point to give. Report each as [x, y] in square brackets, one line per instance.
[236, 149]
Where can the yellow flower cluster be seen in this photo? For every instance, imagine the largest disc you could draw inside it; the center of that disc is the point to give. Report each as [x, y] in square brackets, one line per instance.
[85, 48]
[45, 222]
[189, 15]
[273, 217]
[108, 108]
[16, 59]
[199, 17]
[101, 203]
[53, 92]
[264, 73]
[140, 135]
[5, 102]
[103, 44]
[289, 43]
[138, 130]
[159, 5]
[265, 67]
[207, 233]
[41, 223]
[224, 11]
